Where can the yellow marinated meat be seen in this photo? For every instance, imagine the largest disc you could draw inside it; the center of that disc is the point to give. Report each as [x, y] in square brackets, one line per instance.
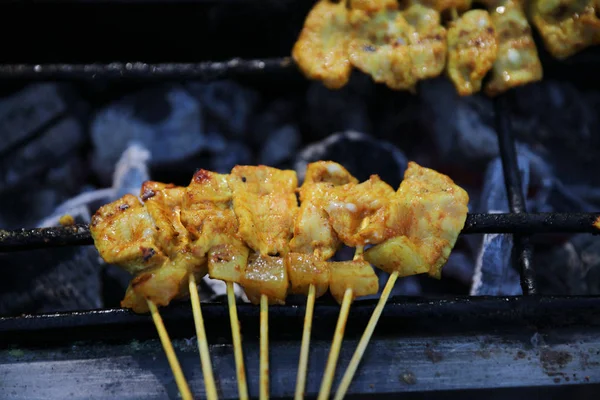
[305, 270]
[373, 5]
[427, 43]
[357, 275]
[380, 47]
[472, 50]
[446, 5]
[357, 212]
[265, 275]
[313, 233]
[566, 26]
[517, 62]
[321, 51]
[264, 201]
[426, 218]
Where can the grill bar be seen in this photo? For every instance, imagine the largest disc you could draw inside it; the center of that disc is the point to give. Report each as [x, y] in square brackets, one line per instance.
[519, 223]
[516, 199]
[145, 71]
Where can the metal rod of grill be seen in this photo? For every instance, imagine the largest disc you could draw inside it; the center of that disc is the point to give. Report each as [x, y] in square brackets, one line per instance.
[141, 70]
[514, 192]
[520, 223]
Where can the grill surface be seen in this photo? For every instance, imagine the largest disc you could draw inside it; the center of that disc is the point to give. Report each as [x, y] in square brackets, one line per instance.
[421, 345]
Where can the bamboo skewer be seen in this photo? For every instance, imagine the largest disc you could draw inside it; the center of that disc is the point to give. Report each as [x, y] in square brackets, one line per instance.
[209, 379]
[304, 348]
[237, 343]
[364, 340]
[264, 347]
[182, 385]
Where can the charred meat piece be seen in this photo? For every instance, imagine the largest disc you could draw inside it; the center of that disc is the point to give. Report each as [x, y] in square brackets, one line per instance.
[321, 51]
[517, 62]
[472, 50]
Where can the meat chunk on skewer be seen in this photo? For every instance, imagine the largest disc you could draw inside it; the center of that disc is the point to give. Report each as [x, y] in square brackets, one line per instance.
[472, 50]
[517, 63]
[357, 275]
[428, 214]
[566, 26]
[321, 51]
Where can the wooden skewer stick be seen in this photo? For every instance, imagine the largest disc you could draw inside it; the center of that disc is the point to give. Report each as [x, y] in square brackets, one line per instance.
[182, 385]
[264, 347]
[209, 379]
[334, 352]
[364, 340]
[303, 363]
[237, 343]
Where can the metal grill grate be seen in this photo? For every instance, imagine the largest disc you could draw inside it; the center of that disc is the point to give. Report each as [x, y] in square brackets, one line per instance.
[453, 320]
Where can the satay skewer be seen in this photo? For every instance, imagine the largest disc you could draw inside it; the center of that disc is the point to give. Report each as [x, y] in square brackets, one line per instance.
[237, 343]
[305, 346]
[366, 337]
[264, 348]
[209, 379]
[180, 380]
[336, 344]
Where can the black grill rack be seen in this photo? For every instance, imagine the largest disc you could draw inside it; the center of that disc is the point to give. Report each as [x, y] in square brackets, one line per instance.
[528, 344]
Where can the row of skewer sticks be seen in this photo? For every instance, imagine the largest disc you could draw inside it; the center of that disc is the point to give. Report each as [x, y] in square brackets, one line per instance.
[327, 382]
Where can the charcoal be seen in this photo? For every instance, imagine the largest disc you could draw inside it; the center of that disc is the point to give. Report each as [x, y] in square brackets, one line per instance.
[273, 117]
[228, 103]
[26, 112]
[360, 153]
[280, 146]
[167, 119]
[336, 110]
[462, 128]
[495, 273]
[233, 153]
[572, 268]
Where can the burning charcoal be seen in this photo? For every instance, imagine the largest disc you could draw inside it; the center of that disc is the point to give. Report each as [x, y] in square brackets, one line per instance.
[167, 120]
[277, 114]
[336, 110]
[571, 269]
[361, 154]
[495, 274]
[227, 102]
[462, 127]
[459, 267]
[234, 153]
[280, 146]
[50, 280]
[27, 111]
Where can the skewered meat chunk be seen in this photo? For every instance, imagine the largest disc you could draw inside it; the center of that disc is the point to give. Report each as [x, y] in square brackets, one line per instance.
[445, 5]
[357, 211]
[227, 261]
[472, 50]
[427, 42]
[321, 51]
[305, 270]
[264, 200]
[517, 62]
[265, 275]
[566, 26]
[429, 212]
[313, 233]
[357, 275]
[373, 5]
[380, 47]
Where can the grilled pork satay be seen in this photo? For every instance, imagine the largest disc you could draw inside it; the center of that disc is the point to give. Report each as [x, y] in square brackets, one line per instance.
[472, 50]
[566, 26]
[427, 42]
[517, 63]
[149, 241]
[321, 51]
[380, 43]
[264, 200]
[424, 221]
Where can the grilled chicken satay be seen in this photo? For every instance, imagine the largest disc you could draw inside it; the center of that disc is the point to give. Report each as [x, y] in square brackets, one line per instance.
[472, 50]
[321, 51]
[264, 200]
[427, 42]
[149, 240]
[566, 26]
[423, 224]
[517, 62]
[380, 43]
